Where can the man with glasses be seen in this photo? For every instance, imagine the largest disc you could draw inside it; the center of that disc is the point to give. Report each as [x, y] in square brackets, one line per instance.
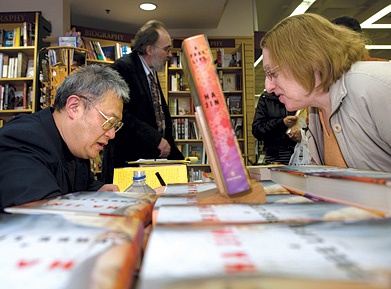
[46, 154]
[147, 130]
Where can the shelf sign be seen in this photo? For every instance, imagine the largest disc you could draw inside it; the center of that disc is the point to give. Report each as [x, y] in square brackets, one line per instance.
[17, 17]
[104, 34]
[221, 43]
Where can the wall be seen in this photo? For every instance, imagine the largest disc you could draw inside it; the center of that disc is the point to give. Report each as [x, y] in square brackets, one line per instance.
[237, 20]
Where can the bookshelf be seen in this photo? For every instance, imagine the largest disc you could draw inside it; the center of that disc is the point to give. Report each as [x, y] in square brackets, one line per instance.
[20, 90]
[104, 46]
[233, 80]
[57, 64]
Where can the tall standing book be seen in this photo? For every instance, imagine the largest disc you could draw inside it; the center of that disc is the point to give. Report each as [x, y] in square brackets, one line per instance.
[363, 188]
[213, 117]
[69, 252]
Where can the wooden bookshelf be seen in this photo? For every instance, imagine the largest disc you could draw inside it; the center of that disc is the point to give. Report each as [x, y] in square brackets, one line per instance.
[112, 44]
[35, 27]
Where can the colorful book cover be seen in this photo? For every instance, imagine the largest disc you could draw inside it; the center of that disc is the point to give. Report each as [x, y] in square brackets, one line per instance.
[93, 203]
[69, 252]
[363, 188]
[213, 117]
[354, 252]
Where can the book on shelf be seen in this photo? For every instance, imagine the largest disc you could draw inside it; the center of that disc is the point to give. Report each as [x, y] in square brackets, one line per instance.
[30, 68]
[196, 150]
[93, 203]
[9, 38]
[28, 34]
[5, 65]
[1, 96]
[229, 82]
[362, 188]
[212, 117]
[2, 37]
[22, 64]
[219, 214]
[16, 37]
[173, 105]
[345, 253]
[1, 64]
[235, 104]
[109, 52]
[67, 252]
[184, 105]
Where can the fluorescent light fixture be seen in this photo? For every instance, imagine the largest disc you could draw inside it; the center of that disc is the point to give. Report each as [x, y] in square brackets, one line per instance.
[372, 47]
[302, 8]
[148, 6]
[369, 23]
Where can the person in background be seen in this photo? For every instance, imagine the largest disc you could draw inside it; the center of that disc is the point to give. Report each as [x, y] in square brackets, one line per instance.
[352, 23]
[271, 121]
[311, 62]
[47, 154]
[147, 131]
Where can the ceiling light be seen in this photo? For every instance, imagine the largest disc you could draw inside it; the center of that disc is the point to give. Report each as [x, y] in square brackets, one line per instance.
[303, 6]
[369, 22]
[148, 6]
[371, 47]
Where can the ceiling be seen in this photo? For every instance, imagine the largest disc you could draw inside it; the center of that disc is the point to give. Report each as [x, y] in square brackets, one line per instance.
[125, 16]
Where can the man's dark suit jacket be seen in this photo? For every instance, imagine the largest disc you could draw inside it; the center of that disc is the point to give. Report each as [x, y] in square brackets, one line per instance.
[35, 162]
[139, 137]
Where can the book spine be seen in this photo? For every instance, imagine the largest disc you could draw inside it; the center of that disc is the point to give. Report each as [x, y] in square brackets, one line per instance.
[207, 94]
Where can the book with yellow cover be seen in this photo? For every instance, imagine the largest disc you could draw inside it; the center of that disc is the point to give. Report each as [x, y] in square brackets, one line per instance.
[212, 117]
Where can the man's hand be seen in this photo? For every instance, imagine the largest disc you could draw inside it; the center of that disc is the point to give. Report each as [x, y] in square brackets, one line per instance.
[109, 188]
[164, 148]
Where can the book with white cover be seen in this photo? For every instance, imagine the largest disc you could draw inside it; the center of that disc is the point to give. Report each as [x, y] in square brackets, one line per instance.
[92, 203]
[68, 251]
[350, 253]
[198, 215]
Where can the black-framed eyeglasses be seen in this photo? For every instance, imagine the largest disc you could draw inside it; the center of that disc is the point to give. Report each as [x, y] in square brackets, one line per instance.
[271, 73]
[166, 49]
[111, 122]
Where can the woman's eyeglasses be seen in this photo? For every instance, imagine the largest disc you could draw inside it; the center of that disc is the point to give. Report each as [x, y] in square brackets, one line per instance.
[270, 74]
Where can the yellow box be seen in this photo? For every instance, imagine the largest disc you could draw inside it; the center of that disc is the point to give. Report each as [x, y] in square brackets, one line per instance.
[171, 174]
